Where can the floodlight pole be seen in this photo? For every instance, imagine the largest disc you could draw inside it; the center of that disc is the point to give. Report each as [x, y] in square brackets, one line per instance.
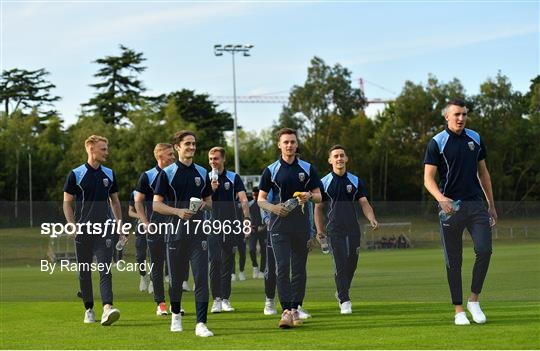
[235, 126]
[233, 49]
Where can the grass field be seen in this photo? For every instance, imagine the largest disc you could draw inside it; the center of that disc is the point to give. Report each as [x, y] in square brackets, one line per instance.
[400, 301]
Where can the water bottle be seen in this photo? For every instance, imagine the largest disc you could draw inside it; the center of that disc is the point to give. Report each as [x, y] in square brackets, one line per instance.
[121, 243]
[443, 216]
[325, 247]
[291, 204]
[214, 175]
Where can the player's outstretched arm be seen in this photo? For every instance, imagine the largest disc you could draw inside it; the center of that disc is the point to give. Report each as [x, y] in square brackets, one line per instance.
[319, 218]
[68, 208]
[485, 182]
[115, 205]
[139, 207]
[368, 212]
[132, 212]
[431, 185]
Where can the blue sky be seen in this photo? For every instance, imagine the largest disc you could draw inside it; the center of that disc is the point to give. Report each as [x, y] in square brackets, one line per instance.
[382, 42]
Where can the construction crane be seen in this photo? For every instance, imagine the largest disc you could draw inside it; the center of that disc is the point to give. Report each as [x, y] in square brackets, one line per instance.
[268, 99]
[280, 99]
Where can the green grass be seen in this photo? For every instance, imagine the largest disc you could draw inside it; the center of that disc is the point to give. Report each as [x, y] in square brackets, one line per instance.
[400, 301]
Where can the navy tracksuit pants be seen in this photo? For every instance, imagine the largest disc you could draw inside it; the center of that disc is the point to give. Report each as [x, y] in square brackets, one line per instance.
[474, 216]
[221, 257]
[290, 251]
[259, 237]
[86, 246]
[270, 270]
[180, 253]
[157, 249]
[344, 250]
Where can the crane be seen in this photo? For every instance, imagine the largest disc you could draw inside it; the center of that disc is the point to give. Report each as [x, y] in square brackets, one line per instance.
[280, 99]
[268, 99]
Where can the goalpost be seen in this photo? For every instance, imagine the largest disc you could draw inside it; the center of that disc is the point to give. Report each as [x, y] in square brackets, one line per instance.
[61, 248]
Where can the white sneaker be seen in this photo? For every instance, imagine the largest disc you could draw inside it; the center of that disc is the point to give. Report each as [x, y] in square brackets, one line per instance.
[143, 284]
[241, 276]
[346, 307]
[89, 316]
[461, 319]
[302, 313]
[261, 275]
[202, 330]
[216, 306]
[109, 316]
[185, 286]
[269, 307]
[161, 309]
[233, 277]
[477, 315]
[150, 287]
[182, 312]
[226, 305]
[176, 323]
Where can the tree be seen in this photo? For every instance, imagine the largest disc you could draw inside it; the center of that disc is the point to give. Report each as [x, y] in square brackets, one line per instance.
[499, 116]
[403, 131]
[321, 107]
[23, 89]
[201, 113]
[119, 91]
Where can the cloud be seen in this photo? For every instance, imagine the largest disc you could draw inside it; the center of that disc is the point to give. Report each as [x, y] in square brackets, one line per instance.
[142, 20]
[404, 49]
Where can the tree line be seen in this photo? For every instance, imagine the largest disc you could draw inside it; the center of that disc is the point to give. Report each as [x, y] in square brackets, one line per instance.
[386, 151]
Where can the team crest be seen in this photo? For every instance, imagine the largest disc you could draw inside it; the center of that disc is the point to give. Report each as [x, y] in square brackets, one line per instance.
[301, 176]
[204, 245]
[198, 181]
[105, 182]
[227, 186]
[108, 243]
[349, 188]
[471, 145]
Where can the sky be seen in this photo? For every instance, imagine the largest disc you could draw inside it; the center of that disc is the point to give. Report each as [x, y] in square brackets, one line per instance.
[384, 42]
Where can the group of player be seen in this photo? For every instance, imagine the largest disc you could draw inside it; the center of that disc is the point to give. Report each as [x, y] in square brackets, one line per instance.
[290, 202]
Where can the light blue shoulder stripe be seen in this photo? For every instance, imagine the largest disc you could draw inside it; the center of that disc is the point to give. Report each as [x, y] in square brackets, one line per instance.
[305, 166]
[151, 174]
[79, 173]
[231, 176]
[203, 172]
[473, 135]
[274, 168]
[170, 171]
[327, 179]
[108, 172]
[353, 179]
[441, 140]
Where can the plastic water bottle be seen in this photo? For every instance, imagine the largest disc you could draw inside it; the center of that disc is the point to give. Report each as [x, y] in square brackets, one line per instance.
[325, 248]
[121, 243]
[443, 216]
[214, 175]
[291, 204]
